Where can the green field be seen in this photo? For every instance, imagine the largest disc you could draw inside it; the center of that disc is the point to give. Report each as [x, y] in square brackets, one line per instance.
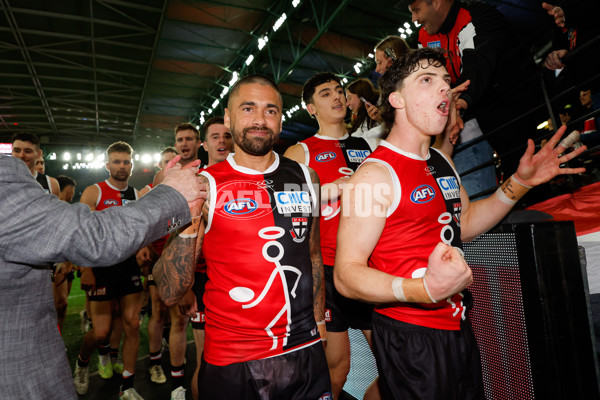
[73, 336]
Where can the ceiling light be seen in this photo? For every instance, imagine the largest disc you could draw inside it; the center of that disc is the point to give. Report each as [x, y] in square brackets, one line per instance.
[234, 78]
[401, 30]
[417, 24]
[146, 159]
[89, 157]
[403, 36]
[78, 156]
[67, 156]
[214, 105]
[407, 25]
[210, 110]
[279, 22]
[137, 157]
[370, 55]
[543, 125]
[357, 69]
[409, 31]
[262, 42]
[295, 3]
[198, 127]
[156, 157]
[249, 59]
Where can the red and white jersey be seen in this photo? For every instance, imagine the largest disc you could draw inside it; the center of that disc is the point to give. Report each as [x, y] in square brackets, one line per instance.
[425, 210]
[110, 196]
[259, 294]
[332, 159]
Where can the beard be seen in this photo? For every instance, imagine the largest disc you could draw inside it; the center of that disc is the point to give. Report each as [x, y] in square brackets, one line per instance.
[120, 176]
[255, 146]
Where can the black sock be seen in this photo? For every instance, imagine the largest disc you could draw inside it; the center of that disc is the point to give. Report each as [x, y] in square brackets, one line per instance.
[177, 376]
[81, 363]
[104, 349]
[114, 354]
[128, 382]
[155, 358]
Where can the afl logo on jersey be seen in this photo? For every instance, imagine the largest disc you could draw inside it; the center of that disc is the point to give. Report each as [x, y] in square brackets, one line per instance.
[422, 194]
[325, 156]
[241, 206]
[111, 202]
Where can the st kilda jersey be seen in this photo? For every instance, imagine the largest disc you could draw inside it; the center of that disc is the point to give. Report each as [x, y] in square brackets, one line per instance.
[332, 159]
[110, 196]
[425, 210]
[259, 294]
[43, 180]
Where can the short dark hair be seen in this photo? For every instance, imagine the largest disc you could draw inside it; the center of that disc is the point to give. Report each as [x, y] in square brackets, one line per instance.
[119, 147]
[26, 137]
[311, 85]
[64, 181]
[393, 78]
[216, 120]
[253, 78]
[169, 149]
[187, 126]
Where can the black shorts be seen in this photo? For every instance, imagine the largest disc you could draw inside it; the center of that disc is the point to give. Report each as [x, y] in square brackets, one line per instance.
[116, 281]
[341, 312]
[415, 362]
[200, 279]
[301, 374]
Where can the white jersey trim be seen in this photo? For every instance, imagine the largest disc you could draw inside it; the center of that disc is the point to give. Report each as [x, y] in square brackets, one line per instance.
[346, 136]
[250, 171]
[295, 349]
[99, 194]
[395, 182]
[212, 188]
[390, 146]
[306, 153]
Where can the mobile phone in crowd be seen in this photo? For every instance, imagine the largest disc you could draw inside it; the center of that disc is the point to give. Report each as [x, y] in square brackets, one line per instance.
[363, 100]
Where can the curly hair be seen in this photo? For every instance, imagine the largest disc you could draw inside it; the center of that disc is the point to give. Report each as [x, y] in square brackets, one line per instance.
[393, 78]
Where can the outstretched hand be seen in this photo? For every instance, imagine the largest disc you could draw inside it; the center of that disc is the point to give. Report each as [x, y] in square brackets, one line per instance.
[538, 168]
[557, 13]
[186, 182]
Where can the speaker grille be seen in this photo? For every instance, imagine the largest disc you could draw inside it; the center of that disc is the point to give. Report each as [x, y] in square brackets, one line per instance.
[498, 316]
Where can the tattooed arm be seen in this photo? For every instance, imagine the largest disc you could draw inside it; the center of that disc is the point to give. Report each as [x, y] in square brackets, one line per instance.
[317, 264]
[174, 271]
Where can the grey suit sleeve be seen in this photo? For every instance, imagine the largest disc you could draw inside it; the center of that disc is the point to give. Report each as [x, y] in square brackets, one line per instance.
[37, 228]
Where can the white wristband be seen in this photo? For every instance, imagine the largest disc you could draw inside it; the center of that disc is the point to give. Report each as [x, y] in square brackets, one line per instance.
[427, 290]
[503, 198]
[397, 288]
[514, 178]
[188, 235]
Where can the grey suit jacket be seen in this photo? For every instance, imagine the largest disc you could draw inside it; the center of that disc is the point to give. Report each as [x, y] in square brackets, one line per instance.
[37, 229]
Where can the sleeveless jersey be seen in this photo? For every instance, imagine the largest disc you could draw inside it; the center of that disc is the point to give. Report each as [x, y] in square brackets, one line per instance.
[332, 159]
[110, 196]
[43, 180]
[259, 294]
[425, 210]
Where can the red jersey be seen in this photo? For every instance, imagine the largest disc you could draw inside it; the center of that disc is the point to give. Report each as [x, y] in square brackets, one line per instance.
[110, 196]
[425, 210]
[332, 159]
[259, 294]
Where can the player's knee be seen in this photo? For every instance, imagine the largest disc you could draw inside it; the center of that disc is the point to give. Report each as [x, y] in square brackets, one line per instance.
[101, 333]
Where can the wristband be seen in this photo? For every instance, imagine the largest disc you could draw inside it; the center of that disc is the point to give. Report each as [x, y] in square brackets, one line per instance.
[322, 330]
[503, 198]
[411, 290]
[514, 178]
[188, 235]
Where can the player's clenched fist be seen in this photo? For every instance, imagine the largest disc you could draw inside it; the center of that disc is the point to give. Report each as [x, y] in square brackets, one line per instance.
[447, 272]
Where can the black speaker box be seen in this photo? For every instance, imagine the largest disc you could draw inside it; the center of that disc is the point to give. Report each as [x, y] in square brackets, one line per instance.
[531, 313]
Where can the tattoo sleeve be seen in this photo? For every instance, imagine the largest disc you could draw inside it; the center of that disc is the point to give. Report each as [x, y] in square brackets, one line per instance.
[316, 259]
[174, 270]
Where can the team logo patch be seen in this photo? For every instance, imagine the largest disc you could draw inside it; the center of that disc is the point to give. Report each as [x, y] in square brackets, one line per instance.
[241, 206]
[326, 396]
[199, 318]
[422, 194]
[299, 228]
[457, 213]
[293, 202]
[449, 187]
[125, 201]
[327, 315]
[111, 202]
[433, 45]
[101, 291]
[325, 156]
[357, 156]
[429, 170]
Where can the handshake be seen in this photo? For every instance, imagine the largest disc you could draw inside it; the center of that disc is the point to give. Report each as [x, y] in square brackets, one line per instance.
[187, 182]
